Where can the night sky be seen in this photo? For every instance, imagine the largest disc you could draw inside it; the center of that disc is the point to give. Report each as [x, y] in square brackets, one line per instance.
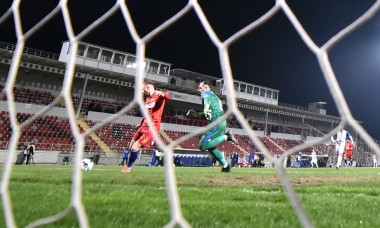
[273, 55]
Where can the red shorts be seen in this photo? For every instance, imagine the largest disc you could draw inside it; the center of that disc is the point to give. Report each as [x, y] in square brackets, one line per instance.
[349, 154]
[144, 136]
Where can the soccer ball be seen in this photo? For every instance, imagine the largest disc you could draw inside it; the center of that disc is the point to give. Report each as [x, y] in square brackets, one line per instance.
[86, 164]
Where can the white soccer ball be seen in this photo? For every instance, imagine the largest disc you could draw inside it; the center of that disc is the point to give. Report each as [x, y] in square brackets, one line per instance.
[86, 164]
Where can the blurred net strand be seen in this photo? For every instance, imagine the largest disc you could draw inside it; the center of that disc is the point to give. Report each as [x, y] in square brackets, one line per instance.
[5, 179]
[171, 185]
[76, 192]
[254, 25]
[176, 218]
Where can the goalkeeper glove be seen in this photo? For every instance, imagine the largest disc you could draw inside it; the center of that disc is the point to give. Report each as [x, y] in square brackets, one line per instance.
[193, 113]
[208, 115]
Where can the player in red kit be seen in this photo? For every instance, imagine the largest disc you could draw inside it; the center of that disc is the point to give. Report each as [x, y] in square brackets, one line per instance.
[154, 103]
[348, 153]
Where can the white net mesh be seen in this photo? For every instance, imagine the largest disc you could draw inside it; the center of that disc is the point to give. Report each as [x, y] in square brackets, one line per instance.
[175, 210]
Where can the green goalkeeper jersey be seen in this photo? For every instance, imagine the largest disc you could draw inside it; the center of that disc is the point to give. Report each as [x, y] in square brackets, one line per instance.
[212, 106]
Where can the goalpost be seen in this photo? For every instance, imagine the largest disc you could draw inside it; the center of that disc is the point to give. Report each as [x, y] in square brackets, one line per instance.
[177, 219]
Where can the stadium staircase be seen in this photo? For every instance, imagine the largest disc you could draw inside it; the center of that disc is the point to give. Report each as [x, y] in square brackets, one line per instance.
[167, 137]
[241, 149]
[246, 143]
[96, 139]
[276, 144]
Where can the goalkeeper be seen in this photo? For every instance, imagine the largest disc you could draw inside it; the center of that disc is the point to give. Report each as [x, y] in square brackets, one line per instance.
[212, 110]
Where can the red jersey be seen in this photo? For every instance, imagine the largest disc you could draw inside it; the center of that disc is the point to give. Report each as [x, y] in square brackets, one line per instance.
[155, 105]
[348, 149]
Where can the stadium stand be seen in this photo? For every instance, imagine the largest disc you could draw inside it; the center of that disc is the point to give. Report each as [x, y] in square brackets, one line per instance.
[53, 133]
[280, 127]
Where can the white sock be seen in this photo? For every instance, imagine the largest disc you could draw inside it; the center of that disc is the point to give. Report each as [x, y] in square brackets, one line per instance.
[339, 160]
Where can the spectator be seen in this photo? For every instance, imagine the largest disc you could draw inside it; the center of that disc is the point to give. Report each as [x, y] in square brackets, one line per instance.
[298, 160]
[177, 161]
[374, 157]
[28, 153]
[233, 161]
[157, 158]
[125, 158]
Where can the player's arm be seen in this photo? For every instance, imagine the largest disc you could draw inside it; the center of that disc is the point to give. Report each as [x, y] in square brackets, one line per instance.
[152, 100]
[163, 94]
[206, 106]
[332, 140]
[352, 140]
[206, 112]
[192, 113]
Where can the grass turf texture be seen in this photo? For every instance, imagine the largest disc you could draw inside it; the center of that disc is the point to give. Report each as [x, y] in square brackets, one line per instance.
[209, 198]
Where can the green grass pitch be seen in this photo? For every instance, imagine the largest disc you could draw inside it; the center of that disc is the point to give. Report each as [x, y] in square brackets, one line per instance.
[243, 198]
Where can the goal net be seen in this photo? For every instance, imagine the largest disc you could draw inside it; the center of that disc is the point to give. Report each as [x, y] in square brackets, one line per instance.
[177, 219]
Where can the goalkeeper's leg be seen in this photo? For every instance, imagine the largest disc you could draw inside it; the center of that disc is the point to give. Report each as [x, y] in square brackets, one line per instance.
[219, 156]
[213, 137]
